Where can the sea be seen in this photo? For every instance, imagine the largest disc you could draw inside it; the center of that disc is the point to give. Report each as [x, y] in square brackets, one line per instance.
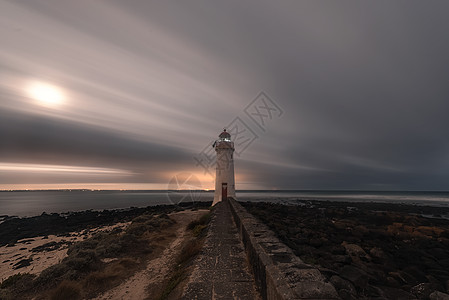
[33, 203]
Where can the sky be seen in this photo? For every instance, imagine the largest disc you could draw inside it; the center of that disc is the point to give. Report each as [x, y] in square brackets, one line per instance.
[347, 95]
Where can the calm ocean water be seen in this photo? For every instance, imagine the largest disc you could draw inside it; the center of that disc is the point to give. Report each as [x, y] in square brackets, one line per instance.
[31, 203]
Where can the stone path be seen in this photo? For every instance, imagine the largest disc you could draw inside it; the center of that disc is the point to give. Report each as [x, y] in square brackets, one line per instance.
[221, 270]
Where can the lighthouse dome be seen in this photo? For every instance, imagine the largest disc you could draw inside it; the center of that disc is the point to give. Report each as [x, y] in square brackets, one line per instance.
[225, 135]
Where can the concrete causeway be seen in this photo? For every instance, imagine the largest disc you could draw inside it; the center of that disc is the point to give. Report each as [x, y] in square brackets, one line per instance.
[243, 259]
[221, 271]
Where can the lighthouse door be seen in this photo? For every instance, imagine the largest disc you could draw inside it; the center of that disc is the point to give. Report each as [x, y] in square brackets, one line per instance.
[224, 191]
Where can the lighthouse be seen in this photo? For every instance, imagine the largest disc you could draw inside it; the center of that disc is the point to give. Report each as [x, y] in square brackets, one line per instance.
[224, 178]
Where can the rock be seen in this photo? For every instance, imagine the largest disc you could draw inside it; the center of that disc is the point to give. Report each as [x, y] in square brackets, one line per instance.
[360, 231]
[339, 224]
[416, 273]
[345, 259]
[374, 292]
[357, 276]
[408, 229]
[438, 296]
[315, 242]
[327, 272]
[429, 262]
[353, 249]
[403, 277]
[444, 262]
[338, 250]
[378, 275]
[391, 282]
[315, 289]
[342, 284]
[444, 241]
[430, 231]
[346, 295]
[438, 253]
[422, 290]
[377, 253]
[439, 273]
[436, 284]
[397, 294]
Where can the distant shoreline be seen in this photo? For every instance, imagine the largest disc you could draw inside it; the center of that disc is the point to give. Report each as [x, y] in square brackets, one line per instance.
[33, 203]
[239, 191]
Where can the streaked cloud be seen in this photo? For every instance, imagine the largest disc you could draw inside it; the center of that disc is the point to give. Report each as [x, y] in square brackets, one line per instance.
[39, 168]
[147, 85]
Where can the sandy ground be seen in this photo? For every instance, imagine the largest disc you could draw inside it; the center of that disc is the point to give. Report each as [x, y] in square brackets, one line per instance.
[9, 256]
[140, 285]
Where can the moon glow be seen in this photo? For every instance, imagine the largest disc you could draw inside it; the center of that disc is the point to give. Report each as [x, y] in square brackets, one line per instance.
[45, 94]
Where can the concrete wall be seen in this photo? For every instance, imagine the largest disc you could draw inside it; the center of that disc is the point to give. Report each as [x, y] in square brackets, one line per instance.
[279, 273]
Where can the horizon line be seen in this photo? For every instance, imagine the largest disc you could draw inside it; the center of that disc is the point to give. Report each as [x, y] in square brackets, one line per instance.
[213, 190]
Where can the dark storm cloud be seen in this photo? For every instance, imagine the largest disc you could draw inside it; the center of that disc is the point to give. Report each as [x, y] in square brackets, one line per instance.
[364, 87]
[38, 140]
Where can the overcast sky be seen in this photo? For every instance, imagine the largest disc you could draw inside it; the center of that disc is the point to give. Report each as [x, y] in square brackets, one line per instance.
[358, 93]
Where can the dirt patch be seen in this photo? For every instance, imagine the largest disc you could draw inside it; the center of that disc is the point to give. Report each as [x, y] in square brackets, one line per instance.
[148, 282]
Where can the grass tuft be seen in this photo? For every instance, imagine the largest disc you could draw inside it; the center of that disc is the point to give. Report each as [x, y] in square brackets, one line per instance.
[190, 250]
[67, 290]
[203, 220]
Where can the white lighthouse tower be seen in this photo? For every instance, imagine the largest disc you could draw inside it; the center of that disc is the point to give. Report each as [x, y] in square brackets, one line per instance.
[224, 178]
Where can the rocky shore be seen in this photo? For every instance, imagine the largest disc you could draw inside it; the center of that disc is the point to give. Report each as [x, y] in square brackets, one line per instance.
[367, 250]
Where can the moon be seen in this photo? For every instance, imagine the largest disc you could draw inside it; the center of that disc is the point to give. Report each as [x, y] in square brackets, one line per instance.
[45, 94]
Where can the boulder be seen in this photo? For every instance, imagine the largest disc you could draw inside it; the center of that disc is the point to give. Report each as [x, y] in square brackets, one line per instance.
[374, 292]
[357, 276]
[354, 250]
[397, 294]
[344, 259]
[360, 231]
[391, 282]
[338, 250]
[342, 284]
[403, 277]
[430, 231]
[346, 295]
[315, 242]
[377, 253]
[438, 296]
[438, 253]
[422, 290]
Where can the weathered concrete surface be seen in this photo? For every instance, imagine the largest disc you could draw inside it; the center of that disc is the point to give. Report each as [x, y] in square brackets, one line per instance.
[221, 270]
[279, 273]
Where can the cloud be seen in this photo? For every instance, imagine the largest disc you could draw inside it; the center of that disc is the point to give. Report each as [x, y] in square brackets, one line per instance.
[363, 86]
